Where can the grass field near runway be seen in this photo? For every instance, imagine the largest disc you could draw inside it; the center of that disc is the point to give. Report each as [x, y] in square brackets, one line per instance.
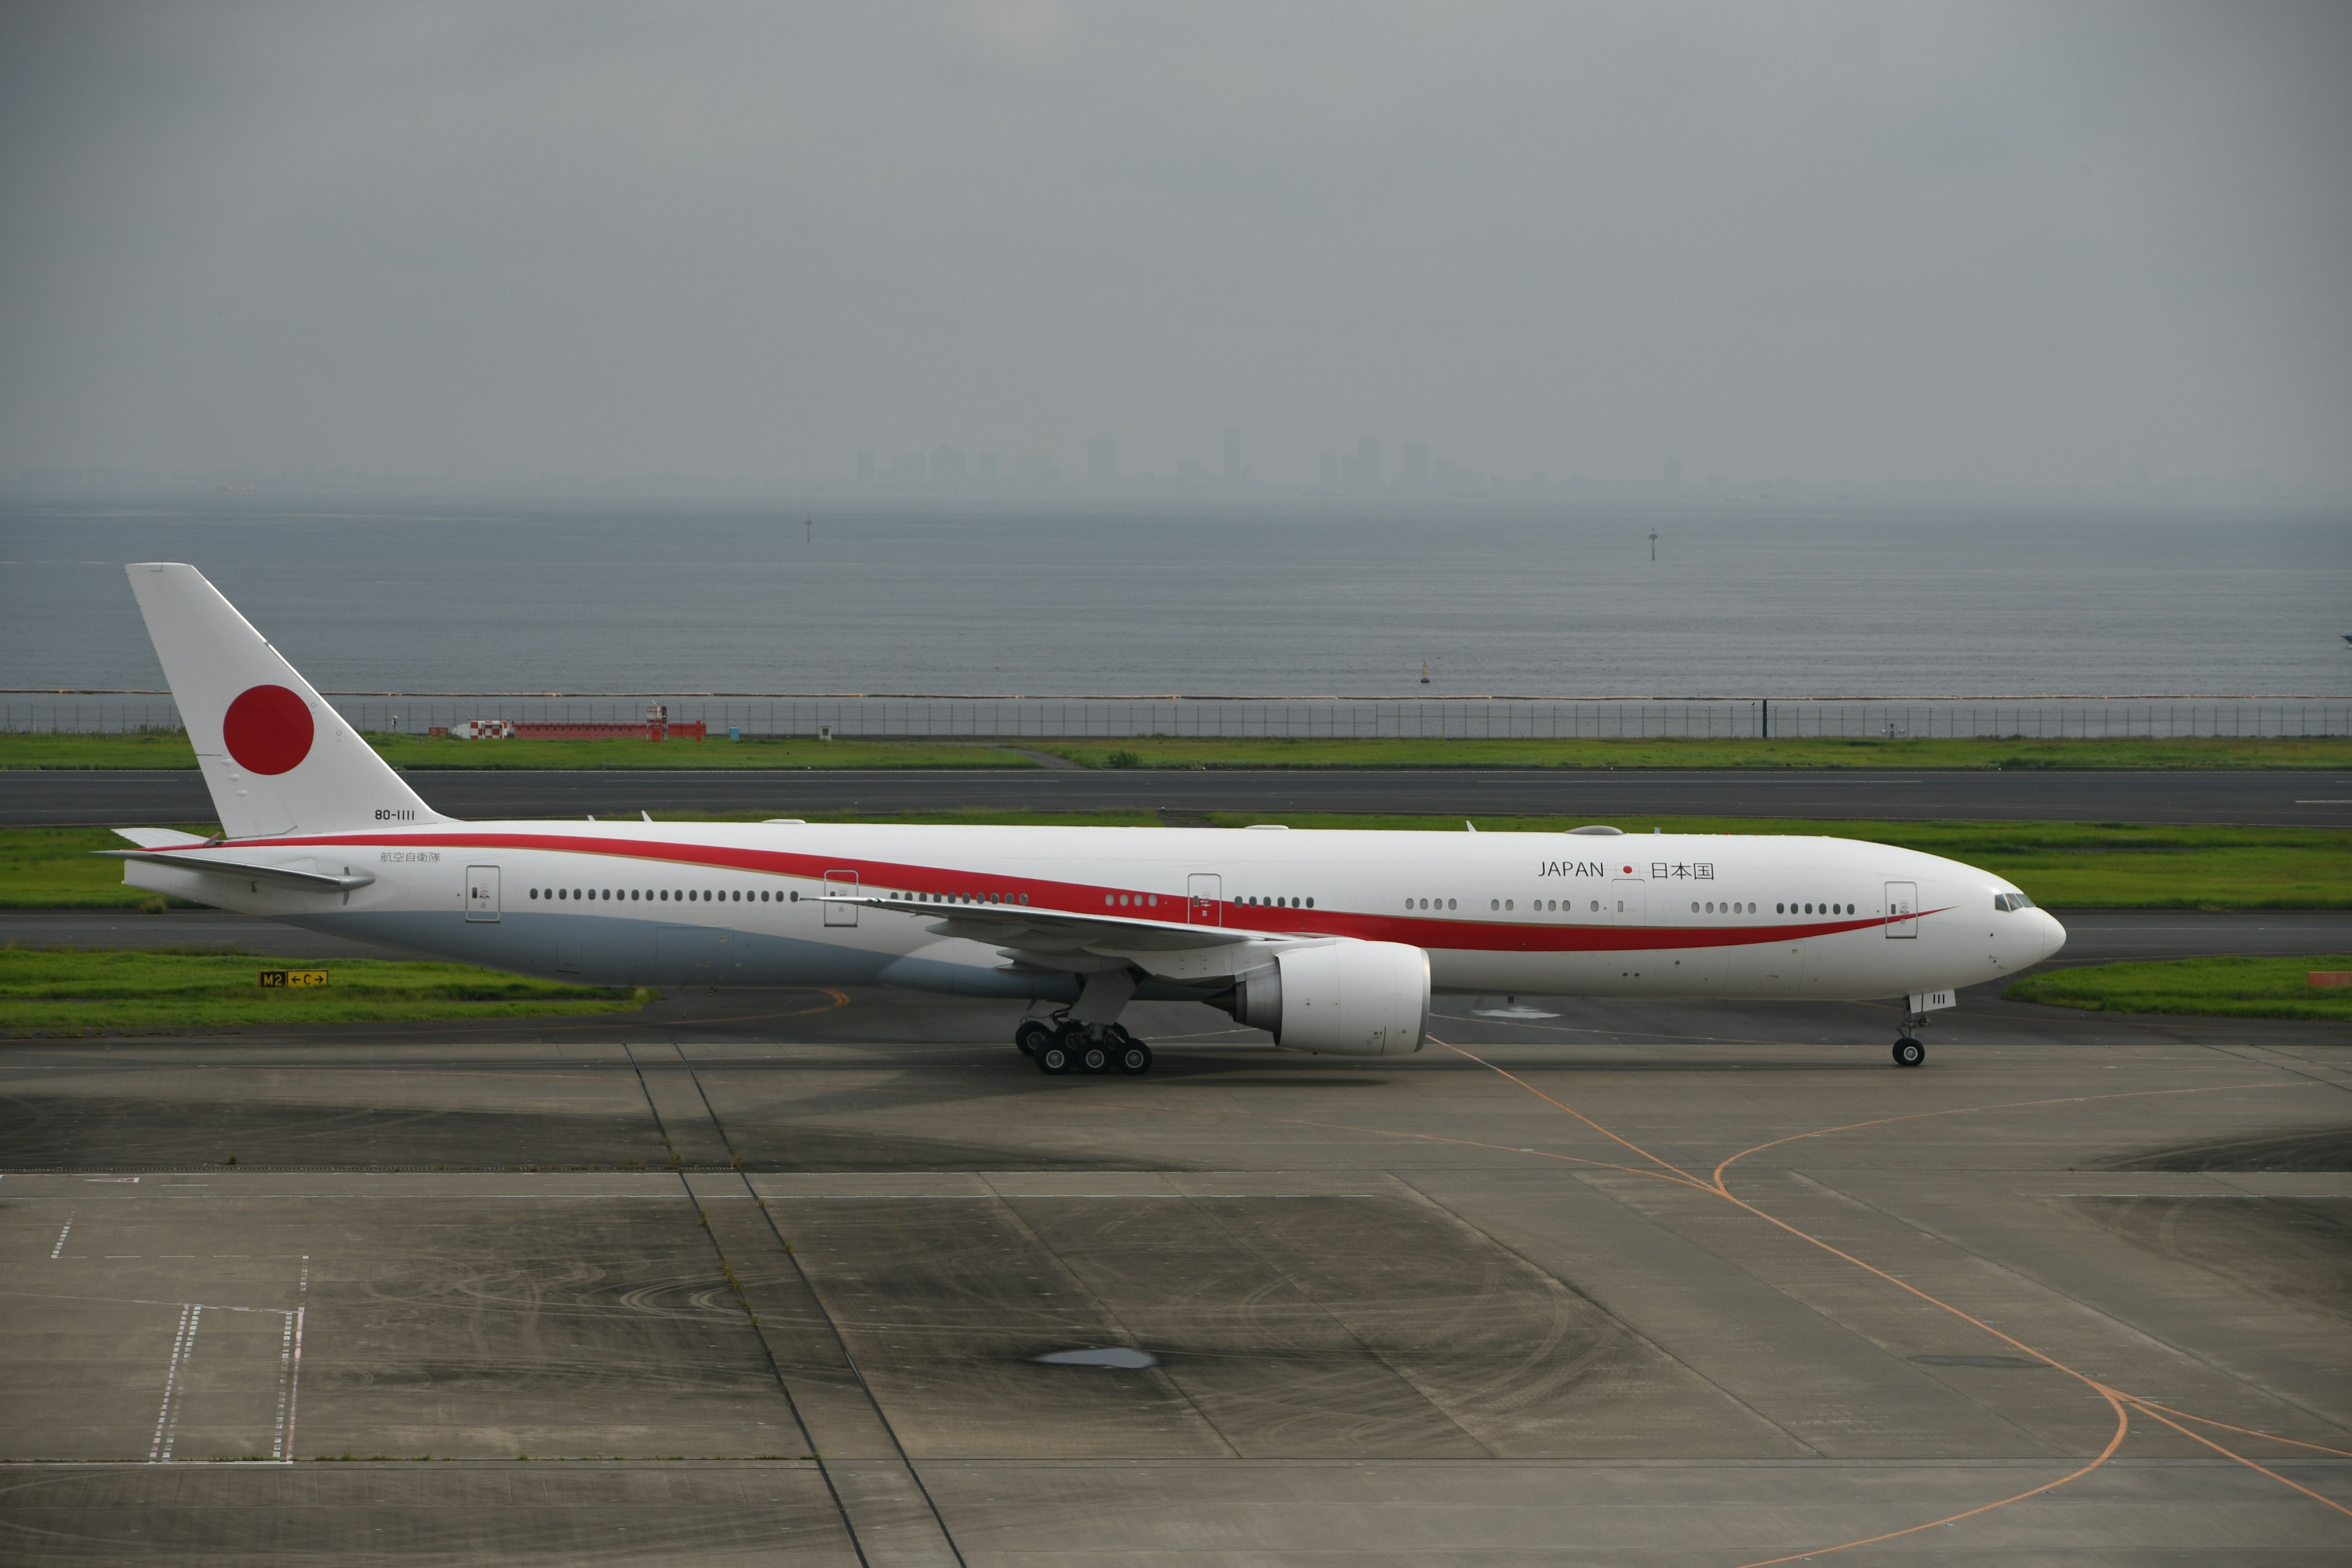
[1807, 752]
[170, 749]
[2232, 987]
[2064, 863]
[52, 991]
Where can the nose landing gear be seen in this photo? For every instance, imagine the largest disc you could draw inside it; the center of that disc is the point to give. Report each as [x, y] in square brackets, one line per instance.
[1908, 1051]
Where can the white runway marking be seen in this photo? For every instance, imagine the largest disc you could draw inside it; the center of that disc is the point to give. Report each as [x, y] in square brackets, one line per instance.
[294, 1375]
[167, 1419]
[58, 1250]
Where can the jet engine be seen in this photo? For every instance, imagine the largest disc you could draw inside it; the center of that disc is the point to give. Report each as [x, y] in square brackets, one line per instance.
[1342, 997]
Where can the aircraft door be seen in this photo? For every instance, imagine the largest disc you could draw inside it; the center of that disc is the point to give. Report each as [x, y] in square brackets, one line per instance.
[1205, 900]
[841, 885]
[1902, 908]
[481, 893]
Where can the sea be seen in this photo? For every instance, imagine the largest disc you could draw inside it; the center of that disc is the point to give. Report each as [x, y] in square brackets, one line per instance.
[424, 595]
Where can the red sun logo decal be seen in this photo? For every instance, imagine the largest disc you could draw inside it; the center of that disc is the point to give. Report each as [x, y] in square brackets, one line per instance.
[268, 729]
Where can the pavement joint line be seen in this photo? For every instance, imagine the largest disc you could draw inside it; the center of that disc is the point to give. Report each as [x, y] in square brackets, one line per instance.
[808, 1286]
[775, 1368]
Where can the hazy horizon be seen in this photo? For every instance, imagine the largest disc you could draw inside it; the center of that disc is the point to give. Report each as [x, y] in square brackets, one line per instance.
[499, 245]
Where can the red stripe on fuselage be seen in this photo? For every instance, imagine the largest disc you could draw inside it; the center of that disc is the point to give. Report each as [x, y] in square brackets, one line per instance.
[1077, 898]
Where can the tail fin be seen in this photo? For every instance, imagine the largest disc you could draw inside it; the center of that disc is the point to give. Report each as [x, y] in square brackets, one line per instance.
[276, 759]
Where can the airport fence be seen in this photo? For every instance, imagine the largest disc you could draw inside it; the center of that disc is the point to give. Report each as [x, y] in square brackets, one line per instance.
[756, 716]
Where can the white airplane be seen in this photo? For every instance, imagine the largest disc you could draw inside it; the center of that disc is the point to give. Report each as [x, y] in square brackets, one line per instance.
[1332, 941]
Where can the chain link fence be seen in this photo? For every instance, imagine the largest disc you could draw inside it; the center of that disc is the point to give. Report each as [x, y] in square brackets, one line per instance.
[1283, 718]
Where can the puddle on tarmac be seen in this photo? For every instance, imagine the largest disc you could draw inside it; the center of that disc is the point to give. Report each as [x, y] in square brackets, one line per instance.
[1117, 1356]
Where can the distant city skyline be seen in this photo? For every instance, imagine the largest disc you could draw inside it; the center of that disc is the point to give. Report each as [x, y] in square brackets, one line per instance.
[1093, 466]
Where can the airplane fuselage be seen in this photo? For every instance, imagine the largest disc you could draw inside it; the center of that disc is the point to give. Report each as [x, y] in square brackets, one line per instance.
[638, 903]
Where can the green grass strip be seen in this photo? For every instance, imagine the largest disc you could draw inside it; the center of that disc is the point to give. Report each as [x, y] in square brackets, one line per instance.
[170, 750]
[53, 991]
[2219, 987]
[1830, 752]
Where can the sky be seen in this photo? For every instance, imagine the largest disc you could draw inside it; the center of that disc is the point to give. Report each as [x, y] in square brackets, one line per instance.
[2012, 243]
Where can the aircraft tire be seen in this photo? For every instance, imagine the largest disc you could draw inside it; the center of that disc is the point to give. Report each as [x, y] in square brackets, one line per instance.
[1095, 1057]
[1055, 1056]
[1909, 1053]
[1132, 1056]
[1032, 1034]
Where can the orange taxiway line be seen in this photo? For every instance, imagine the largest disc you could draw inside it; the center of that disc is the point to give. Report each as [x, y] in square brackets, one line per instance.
[2120, 1402]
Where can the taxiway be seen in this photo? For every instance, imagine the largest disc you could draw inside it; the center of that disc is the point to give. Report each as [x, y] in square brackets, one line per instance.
[764, 1277]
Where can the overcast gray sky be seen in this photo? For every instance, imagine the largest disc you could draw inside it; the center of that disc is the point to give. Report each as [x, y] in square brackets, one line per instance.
[2033, 242]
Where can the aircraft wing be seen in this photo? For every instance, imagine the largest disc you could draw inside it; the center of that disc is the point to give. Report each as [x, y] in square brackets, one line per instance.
[1060, 938]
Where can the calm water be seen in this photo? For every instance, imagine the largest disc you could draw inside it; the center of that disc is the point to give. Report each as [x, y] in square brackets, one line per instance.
[428, 596]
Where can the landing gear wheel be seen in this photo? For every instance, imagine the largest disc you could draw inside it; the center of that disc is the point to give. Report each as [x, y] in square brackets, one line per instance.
[1032, 1034]
[1054, 1056]
[1909, 1053]
[1132, 1056]
[1095, 1056]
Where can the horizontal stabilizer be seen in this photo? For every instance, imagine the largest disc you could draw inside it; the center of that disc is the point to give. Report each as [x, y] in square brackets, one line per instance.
[160, 838]
[246, 870]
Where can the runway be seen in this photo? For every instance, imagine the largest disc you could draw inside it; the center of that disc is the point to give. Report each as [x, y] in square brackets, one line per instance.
[99, 797]
[756, 1276]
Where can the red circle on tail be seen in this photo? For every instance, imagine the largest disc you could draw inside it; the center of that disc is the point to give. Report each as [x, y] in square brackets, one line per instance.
[269, 728]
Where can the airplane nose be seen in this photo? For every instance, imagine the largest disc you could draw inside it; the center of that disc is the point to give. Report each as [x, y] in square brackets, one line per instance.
[2054, 935]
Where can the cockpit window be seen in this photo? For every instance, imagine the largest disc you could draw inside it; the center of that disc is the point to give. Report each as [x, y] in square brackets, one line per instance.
[2011, 901]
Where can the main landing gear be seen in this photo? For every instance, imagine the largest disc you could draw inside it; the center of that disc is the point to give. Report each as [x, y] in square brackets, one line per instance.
[1062, 1046]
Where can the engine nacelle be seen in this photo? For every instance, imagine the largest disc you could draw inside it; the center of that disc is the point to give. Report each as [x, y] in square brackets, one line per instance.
[1343, 997]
